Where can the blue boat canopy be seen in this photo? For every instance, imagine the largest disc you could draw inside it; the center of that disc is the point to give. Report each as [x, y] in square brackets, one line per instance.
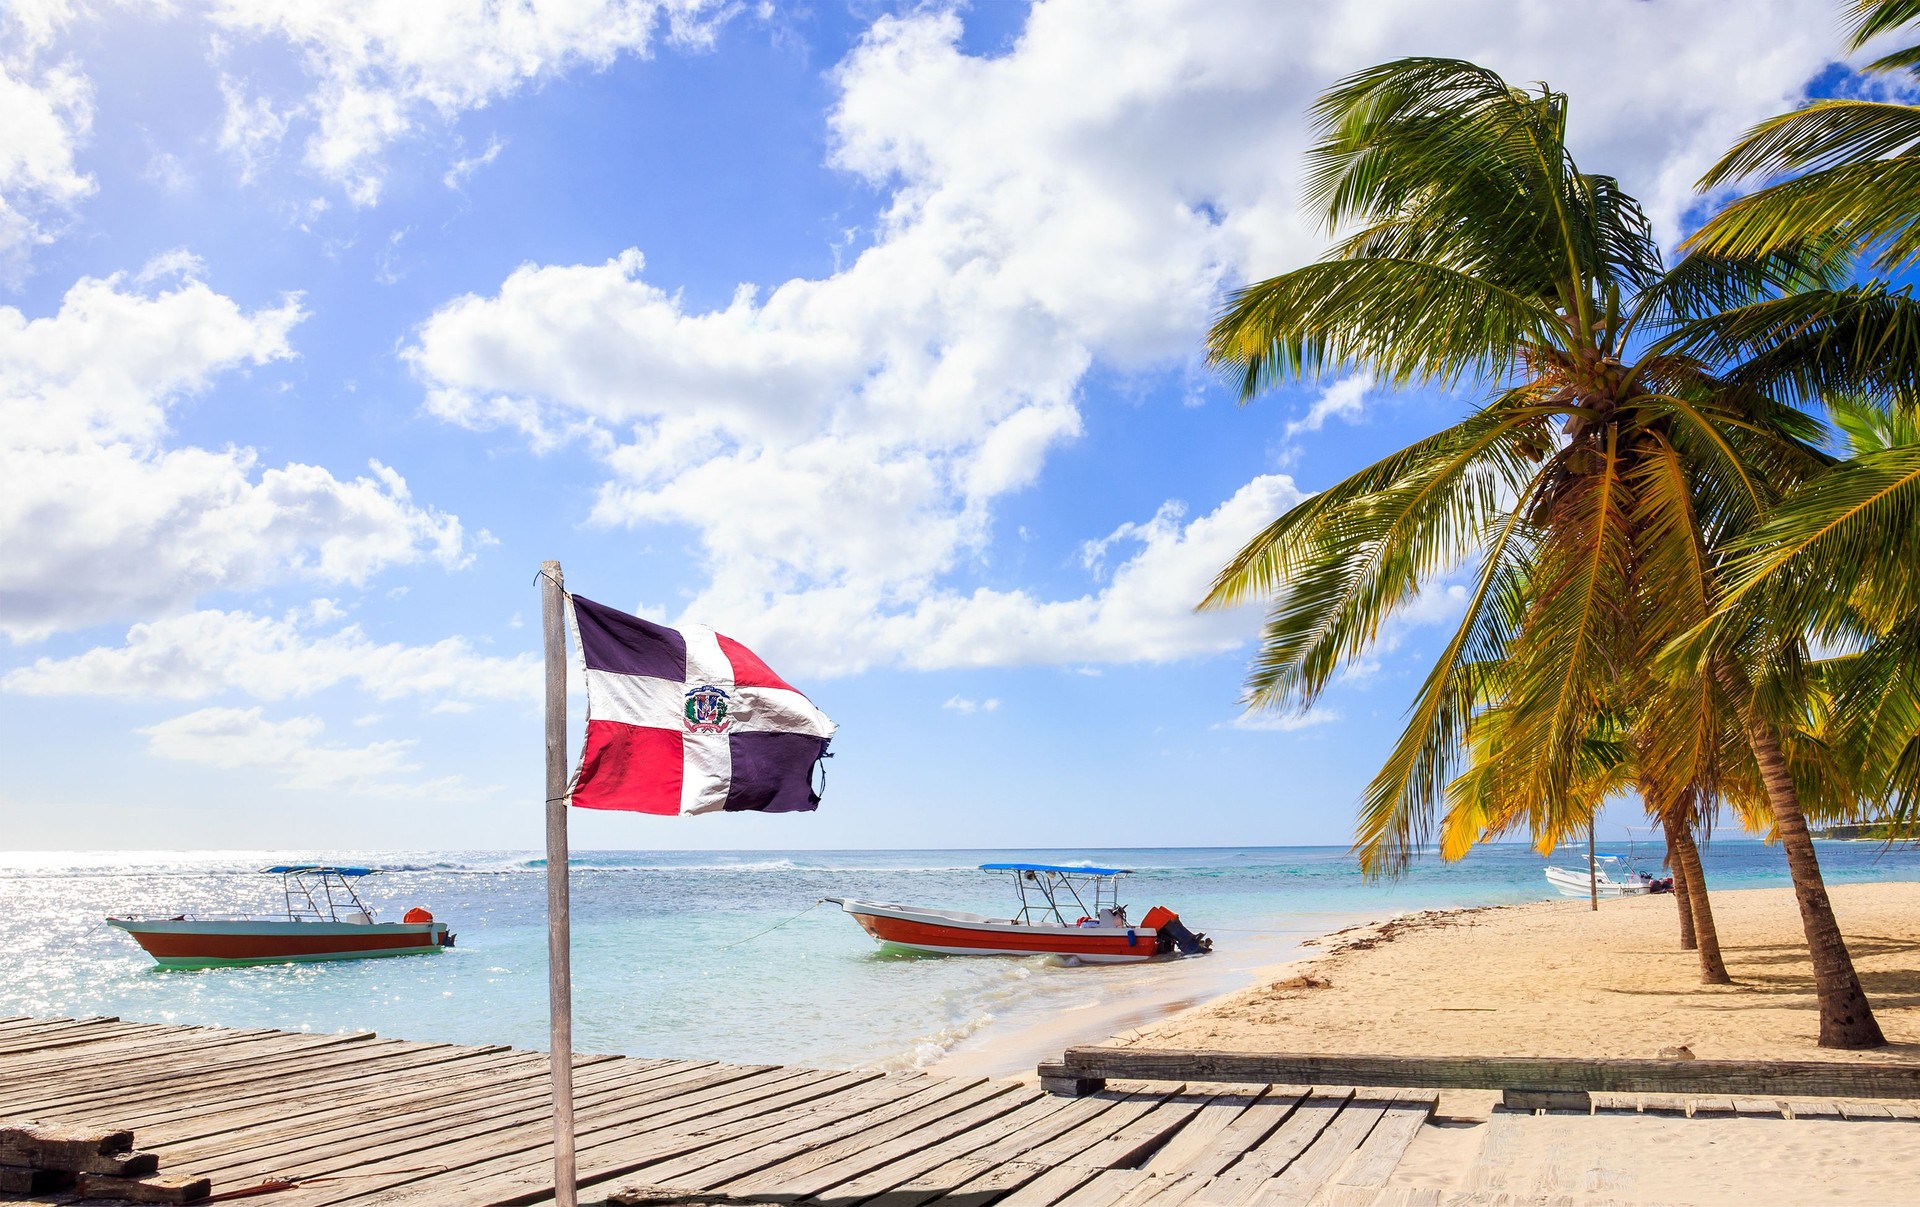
[319, 869]
[1054, 867]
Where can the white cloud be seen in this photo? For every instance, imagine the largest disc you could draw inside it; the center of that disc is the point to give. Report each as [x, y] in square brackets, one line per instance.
[461, 169]
[251, 129]
[1345, 399]
[203, 654]
[967, 706]
[1144, 614]
[1284, 722]
[231, 739]
[46, 112]
[379, 73]
[102, 519]
[838, 446]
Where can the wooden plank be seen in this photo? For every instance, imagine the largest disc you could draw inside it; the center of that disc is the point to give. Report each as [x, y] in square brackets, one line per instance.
[1493, 1164]
[213, 1064]
[11, 1029]
[184, 1116]
[161, 1188]
[1201, 1133]
[857, 1113]
[615, 1144]
[240, 1153]
[610, 1147]
[42, 1026]
[74, 1039]
[1126, 1146]
[877, 1182]
[371, 1142]
[795, 1173]
[28, 1052]
[519, 1141]
[1379, 1154]
[1017, 1155]
[1106, 1188]
[1210, 1153]
[344, 1072]
[851, 1161]
[1325, 1156]
[307, 1132]
[141, 1046]
[91, 1079]
[1302, 1129]
[396, 1083]
[1836, 1079]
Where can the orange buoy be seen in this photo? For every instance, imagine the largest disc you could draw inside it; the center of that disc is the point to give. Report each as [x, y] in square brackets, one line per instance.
[416, 914]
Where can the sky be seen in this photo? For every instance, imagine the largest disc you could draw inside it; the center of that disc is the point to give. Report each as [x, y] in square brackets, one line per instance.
[866, 333]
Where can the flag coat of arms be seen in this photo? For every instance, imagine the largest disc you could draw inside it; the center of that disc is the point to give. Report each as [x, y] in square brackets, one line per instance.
[687, 720]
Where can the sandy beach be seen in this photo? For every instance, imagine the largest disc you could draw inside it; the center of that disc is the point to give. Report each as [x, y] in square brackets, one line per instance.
[1555, 978]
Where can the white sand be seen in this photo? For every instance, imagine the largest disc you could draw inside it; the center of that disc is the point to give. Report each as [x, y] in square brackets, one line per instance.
[1556, 979]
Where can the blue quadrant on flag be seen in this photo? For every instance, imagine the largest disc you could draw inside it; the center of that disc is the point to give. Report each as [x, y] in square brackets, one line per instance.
[687, 720]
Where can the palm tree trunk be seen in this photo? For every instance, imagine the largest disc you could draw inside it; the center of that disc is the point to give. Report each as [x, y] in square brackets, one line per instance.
[1681, 887]
[1713, 970]
[1846, 1020]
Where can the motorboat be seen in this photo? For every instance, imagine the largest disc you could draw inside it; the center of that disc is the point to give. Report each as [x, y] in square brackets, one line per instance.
[1065, 910]
[324, 919]
[1628, 883]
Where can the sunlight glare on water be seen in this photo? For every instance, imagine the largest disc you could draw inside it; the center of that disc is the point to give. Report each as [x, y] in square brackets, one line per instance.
[665, 959]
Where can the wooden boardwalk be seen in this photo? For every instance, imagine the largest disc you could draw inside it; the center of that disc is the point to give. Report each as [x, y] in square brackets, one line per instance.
[363, 1120]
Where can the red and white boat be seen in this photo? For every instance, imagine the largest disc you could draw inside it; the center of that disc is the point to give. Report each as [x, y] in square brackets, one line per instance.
[325, 919]
[1101, 934]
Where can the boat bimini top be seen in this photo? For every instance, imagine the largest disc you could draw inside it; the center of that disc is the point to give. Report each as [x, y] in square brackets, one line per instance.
[1046, 889]
[321, 892]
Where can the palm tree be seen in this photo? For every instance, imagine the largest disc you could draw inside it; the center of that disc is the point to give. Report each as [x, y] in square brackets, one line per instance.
[1612, 758]
[1858, 159]
[1838, 556]
[1590, 493]
[1835, 560]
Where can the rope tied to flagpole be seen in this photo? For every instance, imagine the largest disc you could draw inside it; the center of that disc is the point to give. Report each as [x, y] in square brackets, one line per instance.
[776, 926]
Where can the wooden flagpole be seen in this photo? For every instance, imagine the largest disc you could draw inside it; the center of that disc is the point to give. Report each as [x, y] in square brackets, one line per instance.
[559, 924]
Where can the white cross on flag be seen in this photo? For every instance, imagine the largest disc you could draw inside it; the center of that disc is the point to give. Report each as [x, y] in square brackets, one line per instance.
[688, 721]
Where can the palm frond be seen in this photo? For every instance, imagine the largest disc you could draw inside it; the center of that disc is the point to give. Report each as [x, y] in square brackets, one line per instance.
[1397, 809]
[1824, 134]
[1817, 343]
[1869, 205]
[1871, 18]
[1860, 520]
[1409, 321]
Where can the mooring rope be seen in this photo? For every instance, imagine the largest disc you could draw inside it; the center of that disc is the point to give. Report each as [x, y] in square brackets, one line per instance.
[776, 926]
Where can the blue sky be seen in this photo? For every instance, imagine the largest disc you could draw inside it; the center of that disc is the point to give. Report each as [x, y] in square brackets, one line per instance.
[866, 333]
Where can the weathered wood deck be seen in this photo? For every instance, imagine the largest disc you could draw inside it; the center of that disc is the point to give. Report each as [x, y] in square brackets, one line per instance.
[361, 1119]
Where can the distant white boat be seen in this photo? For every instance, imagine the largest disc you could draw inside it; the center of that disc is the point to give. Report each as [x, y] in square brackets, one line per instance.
[1572, 883]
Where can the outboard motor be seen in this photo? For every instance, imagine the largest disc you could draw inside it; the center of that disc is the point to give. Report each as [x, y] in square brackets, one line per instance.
[1170, 934]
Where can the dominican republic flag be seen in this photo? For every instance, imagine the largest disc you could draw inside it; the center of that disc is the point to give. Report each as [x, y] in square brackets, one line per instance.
[688, 721]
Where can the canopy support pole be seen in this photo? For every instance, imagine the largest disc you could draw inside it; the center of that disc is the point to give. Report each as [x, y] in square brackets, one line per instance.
[559, 922]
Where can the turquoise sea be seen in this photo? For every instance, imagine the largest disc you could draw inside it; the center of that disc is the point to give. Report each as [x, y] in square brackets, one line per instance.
[670, 958]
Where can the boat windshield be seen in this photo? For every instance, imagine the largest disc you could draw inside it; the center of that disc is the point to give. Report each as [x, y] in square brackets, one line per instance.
[320, 893]
[1047, 891]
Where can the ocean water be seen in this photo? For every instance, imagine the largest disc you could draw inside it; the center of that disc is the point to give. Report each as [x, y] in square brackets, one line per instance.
[717, 954]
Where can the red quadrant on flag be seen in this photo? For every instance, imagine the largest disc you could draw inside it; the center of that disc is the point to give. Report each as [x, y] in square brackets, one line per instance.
[685, 720]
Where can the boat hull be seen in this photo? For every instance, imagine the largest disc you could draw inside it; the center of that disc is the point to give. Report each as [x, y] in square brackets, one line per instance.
[225, 944]
[1575, 884]
[949, 932]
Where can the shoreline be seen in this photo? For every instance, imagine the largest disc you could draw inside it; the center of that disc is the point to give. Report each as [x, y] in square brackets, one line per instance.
[1554, 978]
[1120, 1002]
